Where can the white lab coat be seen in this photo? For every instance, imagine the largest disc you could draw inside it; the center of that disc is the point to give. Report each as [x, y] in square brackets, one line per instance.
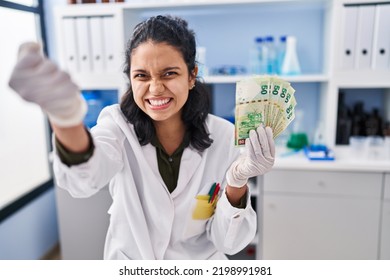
[146, 221]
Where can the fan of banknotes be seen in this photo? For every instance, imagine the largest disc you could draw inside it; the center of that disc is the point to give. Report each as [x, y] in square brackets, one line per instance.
[267, 100]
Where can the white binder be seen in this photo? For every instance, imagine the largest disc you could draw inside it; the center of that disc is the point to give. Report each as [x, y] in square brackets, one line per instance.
[109, 41]
[365, 31]
[97, 54]
[84, 54]
[350, 16]
[381, 48]
[70, 47]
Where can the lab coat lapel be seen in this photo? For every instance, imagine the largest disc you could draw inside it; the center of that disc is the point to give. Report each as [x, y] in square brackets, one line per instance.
[150, 153]
[159, 226]
[190, 161]
[154, 197]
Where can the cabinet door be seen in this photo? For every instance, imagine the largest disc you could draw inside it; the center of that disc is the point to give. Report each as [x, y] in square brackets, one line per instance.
[385, 234]
[301, 222]
[83, 224]
[385, 226]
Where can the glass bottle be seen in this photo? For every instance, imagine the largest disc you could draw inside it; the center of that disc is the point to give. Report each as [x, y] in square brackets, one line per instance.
[291, 63]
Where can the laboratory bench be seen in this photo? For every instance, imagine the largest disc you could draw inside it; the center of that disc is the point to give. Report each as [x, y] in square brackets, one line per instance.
[336, 209]
[344, 160]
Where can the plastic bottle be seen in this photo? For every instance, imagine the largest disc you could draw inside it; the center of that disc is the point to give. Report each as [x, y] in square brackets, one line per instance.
[290, 64]
[263, 55]
[281, 52]
[254, 62]
[271, 55]
[257, 63]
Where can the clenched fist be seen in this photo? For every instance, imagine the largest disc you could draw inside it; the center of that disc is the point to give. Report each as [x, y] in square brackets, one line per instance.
[258, 159]
[36, 79]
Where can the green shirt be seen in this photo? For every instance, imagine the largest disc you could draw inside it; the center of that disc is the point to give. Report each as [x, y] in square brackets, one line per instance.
[169, 165]
[70, 158]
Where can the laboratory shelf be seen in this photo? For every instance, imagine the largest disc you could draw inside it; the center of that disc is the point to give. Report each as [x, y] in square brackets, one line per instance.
[309, 78]
[175, 4]
[99, 81]
[363, 79]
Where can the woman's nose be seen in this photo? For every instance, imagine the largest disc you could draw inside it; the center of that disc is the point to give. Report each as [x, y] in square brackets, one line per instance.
[156, 87]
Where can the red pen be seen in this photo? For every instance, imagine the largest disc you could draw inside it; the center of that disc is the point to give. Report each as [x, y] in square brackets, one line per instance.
[215, 192]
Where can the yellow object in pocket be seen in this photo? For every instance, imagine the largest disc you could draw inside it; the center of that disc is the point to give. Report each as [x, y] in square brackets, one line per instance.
[203, 209]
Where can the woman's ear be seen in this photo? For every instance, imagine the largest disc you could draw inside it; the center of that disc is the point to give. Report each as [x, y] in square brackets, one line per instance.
[194, 73]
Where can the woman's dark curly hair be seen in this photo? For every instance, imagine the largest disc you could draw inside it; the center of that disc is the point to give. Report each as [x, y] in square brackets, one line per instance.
[174, 32]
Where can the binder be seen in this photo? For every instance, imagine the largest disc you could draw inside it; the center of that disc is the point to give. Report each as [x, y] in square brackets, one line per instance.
[109, 50]
[83, 45]
[381, 48]
[364, 41]
[70, 47]
[350, 17]
[97, 55]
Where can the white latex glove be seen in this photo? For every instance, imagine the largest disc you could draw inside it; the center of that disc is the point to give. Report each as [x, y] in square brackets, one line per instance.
[36, 79]
[258, 159]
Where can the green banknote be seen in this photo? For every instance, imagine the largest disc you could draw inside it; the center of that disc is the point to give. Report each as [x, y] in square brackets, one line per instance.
[263, 100]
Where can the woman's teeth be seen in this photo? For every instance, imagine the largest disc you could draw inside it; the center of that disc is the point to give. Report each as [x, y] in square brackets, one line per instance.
[158, 102]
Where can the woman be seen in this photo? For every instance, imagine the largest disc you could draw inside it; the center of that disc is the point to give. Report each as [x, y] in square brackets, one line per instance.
[160, 151]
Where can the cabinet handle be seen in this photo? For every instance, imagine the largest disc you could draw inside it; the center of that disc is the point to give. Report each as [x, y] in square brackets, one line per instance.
[321, 184]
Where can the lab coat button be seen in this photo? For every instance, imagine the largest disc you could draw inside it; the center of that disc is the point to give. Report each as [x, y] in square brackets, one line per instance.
[236, 216]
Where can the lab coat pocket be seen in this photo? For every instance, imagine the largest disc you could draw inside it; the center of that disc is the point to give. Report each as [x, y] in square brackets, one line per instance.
[201, 212]
[194, 228]
[203, 208]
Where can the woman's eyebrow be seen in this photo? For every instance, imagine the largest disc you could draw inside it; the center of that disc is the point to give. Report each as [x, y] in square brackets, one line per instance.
[163, 70]
[171, 68]
[138, 70]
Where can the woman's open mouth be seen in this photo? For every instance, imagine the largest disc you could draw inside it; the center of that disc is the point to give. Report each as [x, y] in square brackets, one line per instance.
[160, 103]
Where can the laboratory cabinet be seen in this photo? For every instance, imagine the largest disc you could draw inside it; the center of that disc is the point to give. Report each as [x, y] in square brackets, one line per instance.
[321, 215]
[385, 226]
[83, 224]
[361, 67]
[339, 47]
